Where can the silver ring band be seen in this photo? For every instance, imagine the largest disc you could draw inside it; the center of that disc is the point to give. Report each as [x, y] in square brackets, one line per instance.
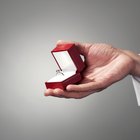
[59, 72]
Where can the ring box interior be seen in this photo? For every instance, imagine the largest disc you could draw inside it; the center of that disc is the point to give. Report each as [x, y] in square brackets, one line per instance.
[70, 64]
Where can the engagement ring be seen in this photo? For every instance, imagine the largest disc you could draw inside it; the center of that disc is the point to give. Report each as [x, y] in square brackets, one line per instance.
[59, 72]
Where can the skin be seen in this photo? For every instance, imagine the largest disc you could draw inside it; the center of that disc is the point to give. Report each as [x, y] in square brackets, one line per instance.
[105, 65]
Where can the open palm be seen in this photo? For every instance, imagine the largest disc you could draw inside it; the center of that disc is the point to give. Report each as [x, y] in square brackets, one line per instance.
[105, 65]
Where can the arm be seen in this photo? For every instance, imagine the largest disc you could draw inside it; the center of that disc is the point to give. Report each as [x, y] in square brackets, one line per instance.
[135, 73]
[105, 66]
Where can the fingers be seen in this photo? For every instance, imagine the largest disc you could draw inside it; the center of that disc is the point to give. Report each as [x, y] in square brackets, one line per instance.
[87, 87]
[75, 91]
[66, 94]
[60, 93]
[54, 92]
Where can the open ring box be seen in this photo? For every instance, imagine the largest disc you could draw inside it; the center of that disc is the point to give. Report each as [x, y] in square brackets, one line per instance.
[70, 64]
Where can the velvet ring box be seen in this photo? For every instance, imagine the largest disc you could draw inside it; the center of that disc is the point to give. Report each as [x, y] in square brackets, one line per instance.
[70, 64]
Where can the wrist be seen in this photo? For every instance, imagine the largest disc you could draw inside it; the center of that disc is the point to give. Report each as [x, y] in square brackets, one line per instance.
[135, 71]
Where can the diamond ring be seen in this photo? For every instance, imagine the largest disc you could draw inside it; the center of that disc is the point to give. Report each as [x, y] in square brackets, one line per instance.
[59, 72]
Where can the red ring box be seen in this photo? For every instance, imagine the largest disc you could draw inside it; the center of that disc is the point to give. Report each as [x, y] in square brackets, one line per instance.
[70, 64]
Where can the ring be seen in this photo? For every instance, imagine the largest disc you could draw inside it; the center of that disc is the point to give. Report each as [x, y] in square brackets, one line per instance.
[59, 72]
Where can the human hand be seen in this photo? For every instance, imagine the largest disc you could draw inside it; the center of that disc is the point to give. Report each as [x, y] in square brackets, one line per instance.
[105, 65]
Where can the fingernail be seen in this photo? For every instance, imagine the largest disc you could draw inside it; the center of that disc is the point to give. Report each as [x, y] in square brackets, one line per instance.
[68, 87]
[59, 41]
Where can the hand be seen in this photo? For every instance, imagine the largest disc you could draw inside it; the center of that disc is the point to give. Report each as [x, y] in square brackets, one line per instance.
[105, 66]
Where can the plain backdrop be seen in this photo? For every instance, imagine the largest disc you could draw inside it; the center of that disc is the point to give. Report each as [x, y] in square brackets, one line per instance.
[29, 30]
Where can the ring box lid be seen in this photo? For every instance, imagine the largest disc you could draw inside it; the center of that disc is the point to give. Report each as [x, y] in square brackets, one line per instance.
[68, 58]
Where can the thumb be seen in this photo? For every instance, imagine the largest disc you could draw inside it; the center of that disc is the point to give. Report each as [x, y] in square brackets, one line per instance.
[87, 87]
[83, 48]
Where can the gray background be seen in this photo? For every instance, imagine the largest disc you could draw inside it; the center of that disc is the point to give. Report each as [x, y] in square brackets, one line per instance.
[29, 30]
